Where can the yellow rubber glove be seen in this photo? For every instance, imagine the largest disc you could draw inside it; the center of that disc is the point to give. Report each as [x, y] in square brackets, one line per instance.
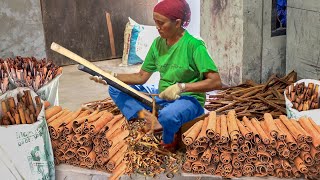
[171, 93]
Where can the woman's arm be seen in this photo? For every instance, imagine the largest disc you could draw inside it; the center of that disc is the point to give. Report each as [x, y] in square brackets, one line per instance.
[211, 82]
[135, 78]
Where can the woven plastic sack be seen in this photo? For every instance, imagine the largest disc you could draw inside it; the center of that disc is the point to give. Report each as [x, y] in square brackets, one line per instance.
[137, 42]
[26, 151]
[295, 114]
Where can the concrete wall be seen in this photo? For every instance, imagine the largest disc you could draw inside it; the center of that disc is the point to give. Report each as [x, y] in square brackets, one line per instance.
[238, 36]
[21, 30]
[222, 30]
[273, 48]
[303, 38]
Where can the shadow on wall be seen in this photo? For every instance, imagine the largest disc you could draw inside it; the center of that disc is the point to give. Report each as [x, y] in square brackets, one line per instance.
[218, 7]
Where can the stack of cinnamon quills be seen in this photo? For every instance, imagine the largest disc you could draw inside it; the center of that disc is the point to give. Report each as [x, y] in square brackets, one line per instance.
[253, 100]
[28, 71]
[230, 147]
[89, 139]
[303, 97]
[24, 111]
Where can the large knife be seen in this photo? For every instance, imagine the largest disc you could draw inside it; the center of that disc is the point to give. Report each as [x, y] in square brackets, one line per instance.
[92, 69]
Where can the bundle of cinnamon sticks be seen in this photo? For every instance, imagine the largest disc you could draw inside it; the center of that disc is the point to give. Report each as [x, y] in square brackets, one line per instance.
[89, 139]
[251, 99]
[24, 111]
[230, 147]
[28, 71]
[106, 104]
[303, 97]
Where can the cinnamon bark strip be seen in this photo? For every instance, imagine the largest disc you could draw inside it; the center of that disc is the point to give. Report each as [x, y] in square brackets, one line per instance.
[119, 170]
[224, 135]
[251, 128]
[236, 162]
[212, 123]
[300, 165]
[198, 167]
[232, 126]
[314, 125]
[83, 151]
[246, 147]
[314, 153]
[192, 156]
[272, 128]
[202, 136]
[264, 157]
[96, 126]
[264, 126]
[190, 137]
[115, 127]
[116, 159]
[305, 123]
[116, 138]
[225, 157]
[218, 129]
[264, 137]
[294, 154]
[298, 136]
[291, 142]
[307, 158]
[244, 131]
[187, 166]
[307, 136]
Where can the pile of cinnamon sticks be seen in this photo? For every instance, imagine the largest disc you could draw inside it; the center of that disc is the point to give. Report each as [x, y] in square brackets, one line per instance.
[22, 112]
[253, 100]
[225, 146]
[146, 156]
[89, 139]
[106, 104]
[28, 72]
[303, 97]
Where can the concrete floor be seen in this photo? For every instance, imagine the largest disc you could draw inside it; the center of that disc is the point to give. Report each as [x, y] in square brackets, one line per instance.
[75, 88]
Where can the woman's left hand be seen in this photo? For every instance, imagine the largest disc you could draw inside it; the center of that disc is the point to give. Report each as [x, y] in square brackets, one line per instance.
[171, 93]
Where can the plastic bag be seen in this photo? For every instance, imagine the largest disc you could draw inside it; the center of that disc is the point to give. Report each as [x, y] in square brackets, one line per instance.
[26, 150]
[295, 114]
[49, 92]
[137, 42]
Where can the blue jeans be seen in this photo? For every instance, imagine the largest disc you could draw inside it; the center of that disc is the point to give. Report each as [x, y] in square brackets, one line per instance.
[171, 117]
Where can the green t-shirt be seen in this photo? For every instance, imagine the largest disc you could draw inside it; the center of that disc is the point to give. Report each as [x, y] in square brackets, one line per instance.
[184, 62]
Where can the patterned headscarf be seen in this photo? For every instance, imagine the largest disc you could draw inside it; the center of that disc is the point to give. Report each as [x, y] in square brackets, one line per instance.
[174, 9]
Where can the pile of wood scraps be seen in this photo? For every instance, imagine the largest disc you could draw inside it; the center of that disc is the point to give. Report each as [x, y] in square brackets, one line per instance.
[92, 140]
[253, 100]
[146, 156]
[28, 72]
[225, 146]
[25, 111]
[303, 97]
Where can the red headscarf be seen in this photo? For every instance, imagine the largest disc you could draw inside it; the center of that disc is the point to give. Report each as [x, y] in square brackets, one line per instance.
[174, 9]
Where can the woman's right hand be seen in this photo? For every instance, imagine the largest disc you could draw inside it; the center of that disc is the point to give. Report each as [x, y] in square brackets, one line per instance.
[98, 79]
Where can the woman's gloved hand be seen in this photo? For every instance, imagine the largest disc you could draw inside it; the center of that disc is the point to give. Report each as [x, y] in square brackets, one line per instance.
[172, 92]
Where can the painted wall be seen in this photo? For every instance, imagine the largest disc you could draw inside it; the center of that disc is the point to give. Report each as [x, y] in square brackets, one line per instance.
[303, 41]
[222, 30]
[21, 30]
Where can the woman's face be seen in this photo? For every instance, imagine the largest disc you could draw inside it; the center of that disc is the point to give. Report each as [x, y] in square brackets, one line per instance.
[167, 28]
